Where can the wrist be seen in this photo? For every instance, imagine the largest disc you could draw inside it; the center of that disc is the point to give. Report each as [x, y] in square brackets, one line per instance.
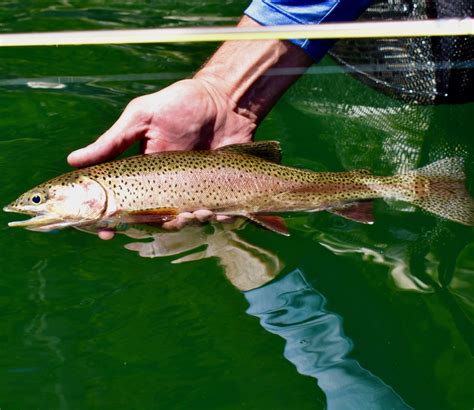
[254, 74]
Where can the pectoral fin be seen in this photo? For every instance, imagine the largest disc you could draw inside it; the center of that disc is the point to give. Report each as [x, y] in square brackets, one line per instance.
[272, 222]
[361, 212]
[155, 215]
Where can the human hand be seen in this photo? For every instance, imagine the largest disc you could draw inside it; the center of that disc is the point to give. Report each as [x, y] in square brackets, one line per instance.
[189, 114]
[186, 115]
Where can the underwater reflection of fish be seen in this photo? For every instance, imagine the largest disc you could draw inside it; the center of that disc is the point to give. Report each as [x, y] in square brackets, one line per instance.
[236, 180]
[288, 307]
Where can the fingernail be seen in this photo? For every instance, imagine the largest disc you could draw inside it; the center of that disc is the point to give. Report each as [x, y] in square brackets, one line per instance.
[106, 235]
[71, 158]
[75, 156]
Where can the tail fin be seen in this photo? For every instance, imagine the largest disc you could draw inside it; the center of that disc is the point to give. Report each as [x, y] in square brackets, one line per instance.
[447, 195]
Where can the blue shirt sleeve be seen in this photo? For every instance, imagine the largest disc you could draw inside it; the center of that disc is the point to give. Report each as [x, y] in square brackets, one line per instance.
[280, 12]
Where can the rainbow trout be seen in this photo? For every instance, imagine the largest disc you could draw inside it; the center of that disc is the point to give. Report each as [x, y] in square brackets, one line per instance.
[240, 180]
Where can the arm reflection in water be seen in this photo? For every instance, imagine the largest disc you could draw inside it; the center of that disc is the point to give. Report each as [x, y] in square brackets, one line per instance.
[289, 307]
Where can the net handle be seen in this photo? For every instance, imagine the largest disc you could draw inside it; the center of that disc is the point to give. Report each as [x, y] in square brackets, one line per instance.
[385, 29]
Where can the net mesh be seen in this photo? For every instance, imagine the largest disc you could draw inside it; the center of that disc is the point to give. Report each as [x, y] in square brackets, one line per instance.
[417, 70]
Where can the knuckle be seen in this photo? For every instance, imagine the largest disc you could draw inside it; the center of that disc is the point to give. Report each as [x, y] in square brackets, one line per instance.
[137, 106]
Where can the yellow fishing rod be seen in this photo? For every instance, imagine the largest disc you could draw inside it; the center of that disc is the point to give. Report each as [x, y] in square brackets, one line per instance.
[385, 29]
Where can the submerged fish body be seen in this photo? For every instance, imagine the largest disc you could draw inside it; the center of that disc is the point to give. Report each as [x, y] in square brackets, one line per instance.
[243, 180]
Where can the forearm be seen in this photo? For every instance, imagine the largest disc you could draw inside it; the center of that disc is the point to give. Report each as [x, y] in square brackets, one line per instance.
[241, 69]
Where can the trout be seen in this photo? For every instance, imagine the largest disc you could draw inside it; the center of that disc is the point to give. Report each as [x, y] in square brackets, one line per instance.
[244, 180]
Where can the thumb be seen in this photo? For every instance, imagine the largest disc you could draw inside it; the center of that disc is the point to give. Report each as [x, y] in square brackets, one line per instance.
[130, 127]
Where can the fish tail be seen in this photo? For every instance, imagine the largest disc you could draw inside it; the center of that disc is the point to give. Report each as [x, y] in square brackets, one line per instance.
[444, 191]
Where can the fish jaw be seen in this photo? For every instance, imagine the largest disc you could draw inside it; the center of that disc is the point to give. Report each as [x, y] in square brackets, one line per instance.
[38, 222]
[9, 208]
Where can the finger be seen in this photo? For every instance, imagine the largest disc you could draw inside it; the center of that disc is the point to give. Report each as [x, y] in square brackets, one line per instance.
[106, 234]
[180, 221]
[130, 127]
[204, 215]
[225, 219]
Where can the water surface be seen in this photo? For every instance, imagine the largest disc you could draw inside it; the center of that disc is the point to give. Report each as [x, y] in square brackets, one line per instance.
[90, 324]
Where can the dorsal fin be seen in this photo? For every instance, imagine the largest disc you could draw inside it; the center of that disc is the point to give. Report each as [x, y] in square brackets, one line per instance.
[268, 150]
[361, 172]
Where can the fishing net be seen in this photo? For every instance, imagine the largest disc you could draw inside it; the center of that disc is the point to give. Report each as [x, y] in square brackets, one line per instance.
[417, 70]
[414, 121]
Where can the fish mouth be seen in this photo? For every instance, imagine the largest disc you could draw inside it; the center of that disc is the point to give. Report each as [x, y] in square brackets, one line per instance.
[38, 222]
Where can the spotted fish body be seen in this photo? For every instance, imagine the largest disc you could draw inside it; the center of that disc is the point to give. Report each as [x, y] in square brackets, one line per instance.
[226, 182]
[244, 180]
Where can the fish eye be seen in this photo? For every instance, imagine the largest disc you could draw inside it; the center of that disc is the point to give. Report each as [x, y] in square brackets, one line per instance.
[36, 199]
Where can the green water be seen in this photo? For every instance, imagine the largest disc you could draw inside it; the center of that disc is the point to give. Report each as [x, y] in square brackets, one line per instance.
[88, 324]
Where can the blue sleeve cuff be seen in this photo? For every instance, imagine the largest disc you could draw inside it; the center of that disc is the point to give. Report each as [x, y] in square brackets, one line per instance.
[281, 12]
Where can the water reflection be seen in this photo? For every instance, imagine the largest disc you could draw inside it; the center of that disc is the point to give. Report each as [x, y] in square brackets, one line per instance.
[38, 332]
[245, 265]
[288, 307]
[437, 262]
[316, 344]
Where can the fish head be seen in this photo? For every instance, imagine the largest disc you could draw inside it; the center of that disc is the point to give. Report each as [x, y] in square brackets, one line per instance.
[69, 200]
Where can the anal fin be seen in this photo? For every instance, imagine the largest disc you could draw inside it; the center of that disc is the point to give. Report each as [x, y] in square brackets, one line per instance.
[361, 212]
